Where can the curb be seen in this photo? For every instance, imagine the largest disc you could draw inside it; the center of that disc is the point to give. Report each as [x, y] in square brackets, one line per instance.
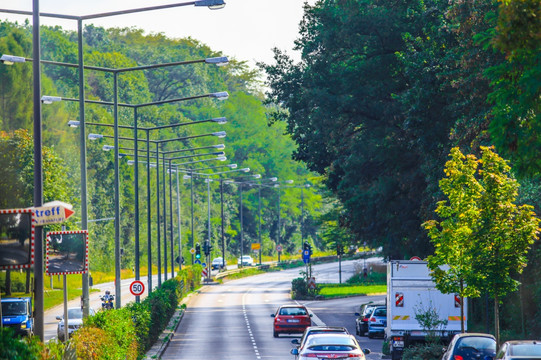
[157, 350]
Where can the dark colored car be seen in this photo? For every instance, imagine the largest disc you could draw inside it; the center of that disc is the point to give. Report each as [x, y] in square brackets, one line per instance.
[471, 346]
[319, 330]
[377, 322]
[365, 310]
[330, 346]
[291, 319]
[520, 350]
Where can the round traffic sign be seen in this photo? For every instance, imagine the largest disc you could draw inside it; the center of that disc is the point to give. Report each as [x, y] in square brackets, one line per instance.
[192, 251]
[415, 258]
[278, 247]
[204, 265]
[137, 288]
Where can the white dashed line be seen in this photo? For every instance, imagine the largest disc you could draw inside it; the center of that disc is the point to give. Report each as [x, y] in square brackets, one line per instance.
[248, 327]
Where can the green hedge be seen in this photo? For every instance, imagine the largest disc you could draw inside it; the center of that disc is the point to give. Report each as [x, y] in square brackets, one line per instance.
[126, 333]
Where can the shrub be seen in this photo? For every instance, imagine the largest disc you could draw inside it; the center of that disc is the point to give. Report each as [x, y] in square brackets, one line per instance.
[132, 330]
[432, 351]
[299, 288]
[14, 348]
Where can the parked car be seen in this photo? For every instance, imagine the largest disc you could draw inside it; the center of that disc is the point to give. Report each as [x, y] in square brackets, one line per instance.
[520, 349]
[17, 315]
[471, 346]
[246, 260]
[217, 263]
[365, 310]
[311, 330]
[377, 322]
[330, 346]
[291, 319]
[75, 321]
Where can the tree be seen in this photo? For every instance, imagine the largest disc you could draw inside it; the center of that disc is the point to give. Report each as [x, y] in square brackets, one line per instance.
[451, 236]
[484, 236]
[504, 233]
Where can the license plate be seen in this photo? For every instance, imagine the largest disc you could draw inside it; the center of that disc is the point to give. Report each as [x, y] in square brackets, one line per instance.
[398, 344]
[293, 320]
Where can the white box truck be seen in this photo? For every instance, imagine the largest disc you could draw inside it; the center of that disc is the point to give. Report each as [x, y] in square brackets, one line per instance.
[410, 290]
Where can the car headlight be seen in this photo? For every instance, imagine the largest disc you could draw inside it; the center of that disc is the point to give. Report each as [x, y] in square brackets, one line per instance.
[23, 326]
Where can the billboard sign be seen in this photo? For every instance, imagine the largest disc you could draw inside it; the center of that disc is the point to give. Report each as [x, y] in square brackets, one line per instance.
[16, 239]
[67, 252]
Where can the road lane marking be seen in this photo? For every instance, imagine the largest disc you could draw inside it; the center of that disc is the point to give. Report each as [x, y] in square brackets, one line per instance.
[254, 343]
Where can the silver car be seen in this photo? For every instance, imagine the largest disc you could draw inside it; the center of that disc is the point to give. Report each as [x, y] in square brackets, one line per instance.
[75, 321]
[520, 349]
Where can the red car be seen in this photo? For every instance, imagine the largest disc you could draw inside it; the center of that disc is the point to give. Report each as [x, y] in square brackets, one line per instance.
[291, 319]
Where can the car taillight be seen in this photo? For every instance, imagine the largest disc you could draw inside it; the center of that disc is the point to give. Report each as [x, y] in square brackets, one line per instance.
[309, 356]
[372, 319]
[458, 357]
[365, 318]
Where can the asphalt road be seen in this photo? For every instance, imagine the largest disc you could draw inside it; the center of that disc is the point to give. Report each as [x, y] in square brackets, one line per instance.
[233, 320]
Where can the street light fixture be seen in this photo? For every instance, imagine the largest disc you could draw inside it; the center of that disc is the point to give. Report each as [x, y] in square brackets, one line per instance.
[45, 99]
[10, 59]
[222, 95]
[211, 4]
[218, 61]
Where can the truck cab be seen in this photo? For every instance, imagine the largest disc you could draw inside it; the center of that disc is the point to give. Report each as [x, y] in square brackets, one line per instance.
[17, 314]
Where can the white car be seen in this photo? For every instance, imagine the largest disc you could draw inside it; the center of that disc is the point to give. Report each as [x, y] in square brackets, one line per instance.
[246, 260]
[217, 264]
[75, 321]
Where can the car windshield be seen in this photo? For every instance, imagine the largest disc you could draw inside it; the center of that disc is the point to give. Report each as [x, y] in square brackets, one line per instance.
[328, 340]
[477, 342]
[380, 312]
[14, 308]
[331, 348]
[368, 310]
[217, 260]
[75, 314]
[292, 311]
[525, 350]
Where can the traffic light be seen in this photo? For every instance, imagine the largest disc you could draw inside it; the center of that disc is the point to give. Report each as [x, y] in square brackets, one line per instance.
[207, 248]
[197, 251]
[339, 249]
[306, 246]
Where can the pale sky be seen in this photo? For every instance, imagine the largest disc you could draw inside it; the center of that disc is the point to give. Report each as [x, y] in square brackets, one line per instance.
[244, 29]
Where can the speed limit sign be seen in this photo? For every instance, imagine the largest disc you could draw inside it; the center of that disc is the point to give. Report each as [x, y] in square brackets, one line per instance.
[137, 288]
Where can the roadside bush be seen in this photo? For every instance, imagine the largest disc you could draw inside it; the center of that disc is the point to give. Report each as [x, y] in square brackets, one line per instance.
[93, 343]
[431, 351]
[14, 348]
[299, 288]
[118, 327]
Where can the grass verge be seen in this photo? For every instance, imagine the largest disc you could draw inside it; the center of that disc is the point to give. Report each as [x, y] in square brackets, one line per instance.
[329, 291]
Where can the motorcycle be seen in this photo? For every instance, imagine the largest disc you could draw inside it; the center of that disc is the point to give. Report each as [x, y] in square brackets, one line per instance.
[107, 302]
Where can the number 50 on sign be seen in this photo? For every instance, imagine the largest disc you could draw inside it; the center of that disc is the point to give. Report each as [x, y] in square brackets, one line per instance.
[137, 288]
